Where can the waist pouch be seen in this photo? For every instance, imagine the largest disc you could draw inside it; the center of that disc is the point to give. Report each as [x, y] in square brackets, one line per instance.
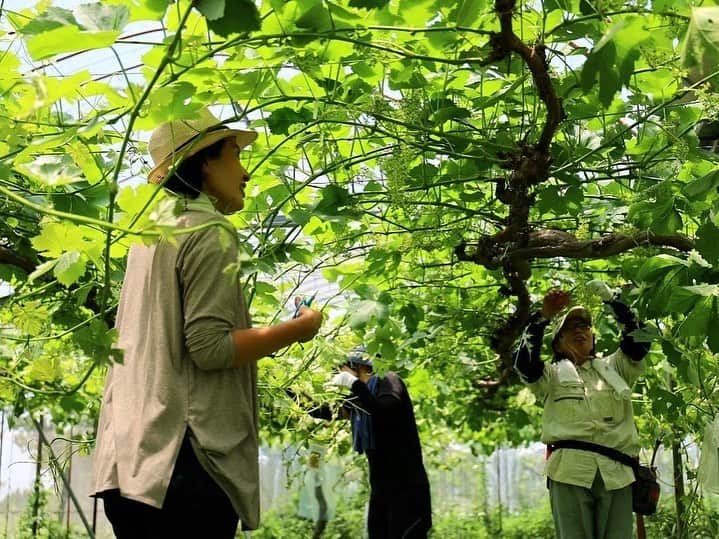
[645, 489]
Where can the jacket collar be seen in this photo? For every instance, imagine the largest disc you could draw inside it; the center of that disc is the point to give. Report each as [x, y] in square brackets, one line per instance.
[202, 203]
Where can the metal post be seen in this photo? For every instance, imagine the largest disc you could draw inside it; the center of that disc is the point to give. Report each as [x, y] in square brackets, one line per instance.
[2, 438]
[65, 482]
[499, 488]
[9, 488]
[69, 480]
[678, 471]
[38, 471]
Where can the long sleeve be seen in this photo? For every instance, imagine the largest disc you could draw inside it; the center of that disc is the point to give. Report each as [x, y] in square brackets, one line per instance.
[527, 360]
[386, 405]
[387, 399]
[321, 411]
[211, 298]
[636, 351]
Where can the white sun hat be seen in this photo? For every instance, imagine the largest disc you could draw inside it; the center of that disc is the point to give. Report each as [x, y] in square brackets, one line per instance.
[174, 141]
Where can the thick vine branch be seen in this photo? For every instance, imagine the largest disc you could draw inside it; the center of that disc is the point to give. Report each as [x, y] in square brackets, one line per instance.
[515, 260]
[515, 247]
[550, 243]
[11, 258]
[530, 165]
[504, 336]
[608, 245]
[505, 42]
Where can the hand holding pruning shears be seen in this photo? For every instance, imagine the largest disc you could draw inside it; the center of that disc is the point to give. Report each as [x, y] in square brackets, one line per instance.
[303, 302]
[311, 319]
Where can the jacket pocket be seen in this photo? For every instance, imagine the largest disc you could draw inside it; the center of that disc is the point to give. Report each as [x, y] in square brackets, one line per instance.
[607, 407]
[568, 401]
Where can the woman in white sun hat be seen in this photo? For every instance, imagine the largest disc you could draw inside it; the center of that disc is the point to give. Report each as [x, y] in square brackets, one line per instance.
[588, 420]
[177, 441]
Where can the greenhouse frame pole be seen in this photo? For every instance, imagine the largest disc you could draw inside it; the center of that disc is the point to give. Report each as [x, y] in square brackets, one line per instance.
[38, 472]
[65, 482]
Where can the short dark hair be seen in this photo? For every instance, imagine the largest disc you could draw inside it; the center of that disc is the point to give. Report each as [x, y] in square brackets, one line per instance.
[187, 179]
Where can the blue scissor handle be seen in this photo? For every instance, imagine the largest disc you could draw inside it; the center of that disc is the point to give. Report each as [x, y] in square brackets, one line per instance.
[306, 302]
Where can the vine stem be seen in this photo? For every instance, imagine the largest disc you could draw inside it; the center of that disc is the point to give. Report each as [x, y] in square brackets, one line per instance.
[113, 190]
[99, 223]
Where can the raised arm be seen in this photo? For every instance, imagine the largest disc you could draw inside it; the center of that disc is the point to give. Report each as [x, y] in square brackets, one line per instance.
[321, 411]
[251, 344]
[211, 299]
[527, 356]
[636, 351]
[388, 396]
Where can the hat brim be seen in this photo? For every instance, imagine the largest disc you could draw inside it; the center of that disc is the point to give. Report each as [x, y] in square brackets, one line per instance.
[575, 312]
[365, 362]
[158, 174]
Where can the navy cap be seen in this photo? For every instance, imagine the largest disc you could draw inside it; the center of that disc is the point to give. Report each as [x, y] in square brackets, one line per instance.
[359, 356]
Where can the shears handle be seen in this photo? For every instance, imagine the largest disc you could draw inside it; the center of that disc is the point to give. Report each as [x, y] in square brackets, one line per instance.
[305, 302]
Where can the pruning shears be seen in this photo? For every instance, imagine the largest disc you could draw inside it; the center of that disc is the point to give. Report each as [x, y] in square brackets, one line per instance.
[305, 302]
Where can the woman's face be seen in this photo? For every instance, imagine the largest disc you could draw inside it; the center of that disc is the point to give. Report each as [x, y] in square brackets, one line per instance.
[576, 340]
[225, 178]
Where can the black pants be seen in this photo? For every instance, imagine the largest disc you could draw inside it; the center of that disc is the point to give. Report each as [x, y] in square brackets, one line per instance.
[195, 507]
[405, 514]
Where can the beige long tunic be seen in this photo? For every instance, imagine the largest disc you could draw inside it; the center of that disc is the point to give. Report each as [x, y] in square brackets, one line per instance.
[177, 309]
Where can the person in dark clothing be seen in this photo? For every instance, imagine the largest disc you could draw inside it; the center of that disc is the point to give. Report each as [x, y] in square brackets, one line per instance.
[384, 429]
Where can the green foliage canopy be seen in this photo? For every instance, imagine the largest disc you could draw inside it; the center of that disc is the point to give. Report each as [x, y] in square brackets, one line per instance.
[441, 162]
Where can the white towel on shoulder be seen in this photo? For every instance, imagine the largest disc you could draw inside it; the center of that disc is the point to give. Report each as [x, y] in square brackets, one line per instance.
[612, 377]
[567, 374]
